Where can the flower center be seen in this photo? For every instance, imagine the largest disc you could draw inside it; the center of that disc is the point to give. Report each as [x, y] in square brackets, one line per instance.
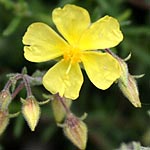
[73, 55]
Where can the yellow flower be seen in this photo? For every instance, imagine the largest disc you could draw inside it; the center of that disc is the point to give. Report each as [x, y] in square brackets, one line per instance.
[79, 44]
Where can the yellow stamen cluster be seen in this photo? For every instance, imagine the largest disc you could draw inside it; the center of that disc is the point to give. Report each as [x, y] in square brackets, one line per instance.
[73, 55]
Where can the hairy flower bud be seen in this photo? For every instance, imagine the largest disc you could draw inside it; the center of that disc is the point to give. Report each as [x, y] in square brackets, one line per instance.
[58, 110]
[131, 91]
[4, 120]
[127, 84]
[124, 72]
[31, 112]
[76, 131]
[5, 99]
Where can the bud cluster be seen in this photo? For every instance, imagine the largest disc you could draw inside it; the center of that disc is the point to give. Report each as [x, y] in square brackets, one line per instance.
[30, 107]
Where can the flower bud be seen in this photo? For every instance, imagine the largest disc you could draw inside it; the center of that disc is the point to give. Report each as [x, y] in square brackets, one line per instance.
[124, 72]
[127, 84]
[76, 131]
[31, 112]
[58, 110]
[130, 90]
[5, 99]
[4, 120]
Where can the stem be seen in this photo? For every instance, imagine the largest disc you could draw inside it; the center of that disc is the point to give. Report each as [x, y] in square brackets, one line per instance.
[7, 85]
[61, 99]
[27, 85]
[109, 51]
[17, 90]
[10, 81]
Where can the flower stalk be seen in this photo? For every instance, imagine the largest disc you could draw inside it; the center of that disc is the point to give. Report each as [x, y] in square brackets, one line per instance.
[60, 107]
[62, 101]
[25, 83]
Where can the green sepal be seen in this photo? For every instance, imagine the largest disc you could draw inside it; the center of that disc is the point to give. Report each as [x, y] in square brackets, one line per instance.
[14, 115]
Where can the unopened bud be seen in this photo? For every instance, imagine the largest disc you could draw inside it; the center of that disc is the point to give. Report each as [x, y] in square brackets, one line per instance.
[124, 72]
[4, 120]
[76, 131]
[58, 110]
[131, 91]
[127, 84]
[31, 112]
[5, 99]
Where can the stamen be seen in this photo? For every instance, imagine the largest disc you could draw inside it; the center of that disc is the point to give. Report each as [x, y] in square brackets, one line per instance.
[73, 54]
[69, 67]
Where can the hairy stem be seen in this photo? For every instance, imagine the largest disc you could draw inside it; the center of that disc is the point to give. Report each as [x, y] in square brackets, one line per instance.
[27, 85]
[62, 99]
[24, 83]
[17, 90]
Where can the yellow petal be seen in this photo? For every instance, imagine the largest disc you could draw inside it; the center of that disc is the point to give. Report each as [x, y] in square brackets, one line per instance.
[63, 81]
[104, 33]
[71, 21]
[43, 43]
[101, 68]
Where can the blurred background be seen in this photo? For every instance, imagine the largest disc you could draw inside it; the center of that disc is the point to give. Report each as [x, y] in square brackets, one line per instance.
[112, 119]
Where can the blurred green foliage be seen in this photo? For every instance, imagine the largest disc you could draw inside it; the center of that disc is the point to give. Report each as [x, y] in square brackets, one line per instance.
[111, 119]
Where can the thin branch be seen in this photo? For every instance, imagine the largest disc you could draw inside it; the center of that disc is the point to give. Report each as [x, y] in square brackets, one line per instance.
[27, 85]
[17, 90]
[62, 99]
